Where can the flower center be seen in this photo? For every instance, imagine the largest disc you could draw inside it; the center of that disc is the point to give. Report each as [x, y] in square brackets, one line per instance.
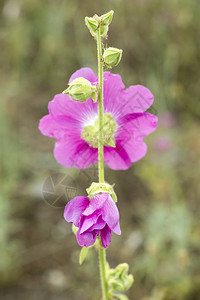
[91, 132]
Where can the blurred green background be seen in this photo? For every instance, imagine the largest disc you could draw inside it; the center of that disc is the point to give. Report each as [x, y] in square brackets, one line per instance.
[42, 43]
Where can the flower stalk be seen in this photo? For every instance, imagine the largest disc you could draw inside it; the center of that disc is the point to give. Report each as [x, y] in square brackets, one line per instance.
[100, 107]
[102, 251]
[102, 264]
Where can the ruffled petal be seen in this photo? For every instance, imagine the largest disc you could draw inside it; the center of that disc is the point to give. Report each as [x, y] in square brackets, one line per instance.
[100, 224]
[105, 236]
[89, 221]
[113, 87]
[74, 209]
[110, 215]
[117, 158]
[86, 73]
[49, 127]
[96, 203]
[86, 239]
[74, 152]
[136, 98]
[136, 125]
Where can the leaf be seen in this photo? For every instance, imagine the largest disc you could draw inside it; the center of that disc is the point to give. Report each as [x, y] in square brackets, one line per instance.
[83, 254]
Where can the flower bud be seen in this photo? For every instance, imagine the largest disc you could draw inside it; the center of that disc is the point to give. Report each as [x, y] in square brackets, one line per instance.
[118, 278]
[80, 89]
[112, 56]
[91, 23]
[107, 18]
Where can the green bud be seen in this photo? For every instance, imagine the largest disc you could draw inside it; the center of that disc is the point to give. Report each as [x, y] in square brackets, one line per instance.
[91, 23]
[112, 56]
[106, 19]
[80, 89]
[97, 188]
[118, 278]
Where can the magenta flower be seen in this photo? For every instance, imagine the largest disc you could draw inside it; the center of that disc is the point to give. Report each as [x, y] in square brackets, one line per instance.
[93, 217]
[75, 124]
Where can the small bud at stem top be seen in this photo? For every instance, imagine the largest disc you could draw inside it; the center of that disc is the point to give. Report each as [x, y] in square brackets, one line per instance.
[106, 19]
[91, 23]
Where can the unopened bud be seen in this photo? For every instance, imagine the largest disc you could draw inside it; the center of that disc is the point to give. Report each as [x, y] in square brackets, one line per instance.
[106, 19]
[80, 89]
[112, 56]
[119, 279]
[91, 24]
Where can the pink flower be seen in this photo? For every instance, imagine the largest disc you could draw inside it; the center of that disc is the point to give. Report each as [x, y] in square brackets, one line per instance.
[93, 217]
[75, 124]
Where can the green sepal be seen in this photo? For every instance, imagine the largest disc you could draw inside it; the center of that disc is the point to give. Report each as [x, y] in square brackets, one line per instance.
[74, 229]
[97, 188]
[83, 254]
[106, 19]
[120, 296]
[94, 96]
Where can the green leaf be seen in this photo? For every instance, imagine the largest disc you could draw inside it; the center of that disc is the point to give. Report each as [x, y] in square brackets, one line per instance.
[83, 254]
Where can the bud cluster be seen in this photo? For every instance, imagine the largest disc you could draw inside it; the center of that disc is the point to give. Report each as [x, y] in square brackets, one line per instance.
[111, 56]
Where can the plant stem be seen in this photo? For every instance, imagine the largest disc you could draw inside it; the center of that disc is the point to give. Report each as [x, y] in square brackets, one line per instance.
[100, 107]
[102, 263]
[102, 252]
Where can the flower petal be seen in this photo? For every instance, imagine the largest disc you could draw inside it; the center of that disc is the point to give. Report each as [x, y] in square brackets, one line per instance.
[74, 209]
[74, 152]
[88, 221]
[96, 203]
[136, 98]
[86, 239]
[110, 215]
[117, 158]
[136, 149]
[105, 236]
[113, 87]
[136, 125]
[49, 127]
[71, 113]
[100, 224]
[86, 73]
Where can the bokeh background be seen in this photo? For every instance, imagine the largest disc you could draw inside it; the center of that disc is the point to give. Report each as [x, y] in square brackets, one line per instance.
[42, 43]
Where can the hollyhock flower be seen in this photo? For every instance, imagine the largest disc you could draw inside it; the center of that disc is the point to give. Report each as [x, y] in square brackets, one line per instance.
[75, 125]
[93, 217]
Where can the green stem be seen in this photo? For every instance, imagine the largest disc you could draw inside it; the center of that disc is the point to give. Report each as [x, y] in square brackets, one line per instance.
[100, 107]
[102, 262]
[102, 252]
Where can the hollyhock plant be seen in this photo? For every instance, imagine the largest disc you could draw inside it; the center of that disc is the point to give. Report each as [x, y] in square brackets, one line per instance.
[97, 120]
[75, 125]
[93, 217]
